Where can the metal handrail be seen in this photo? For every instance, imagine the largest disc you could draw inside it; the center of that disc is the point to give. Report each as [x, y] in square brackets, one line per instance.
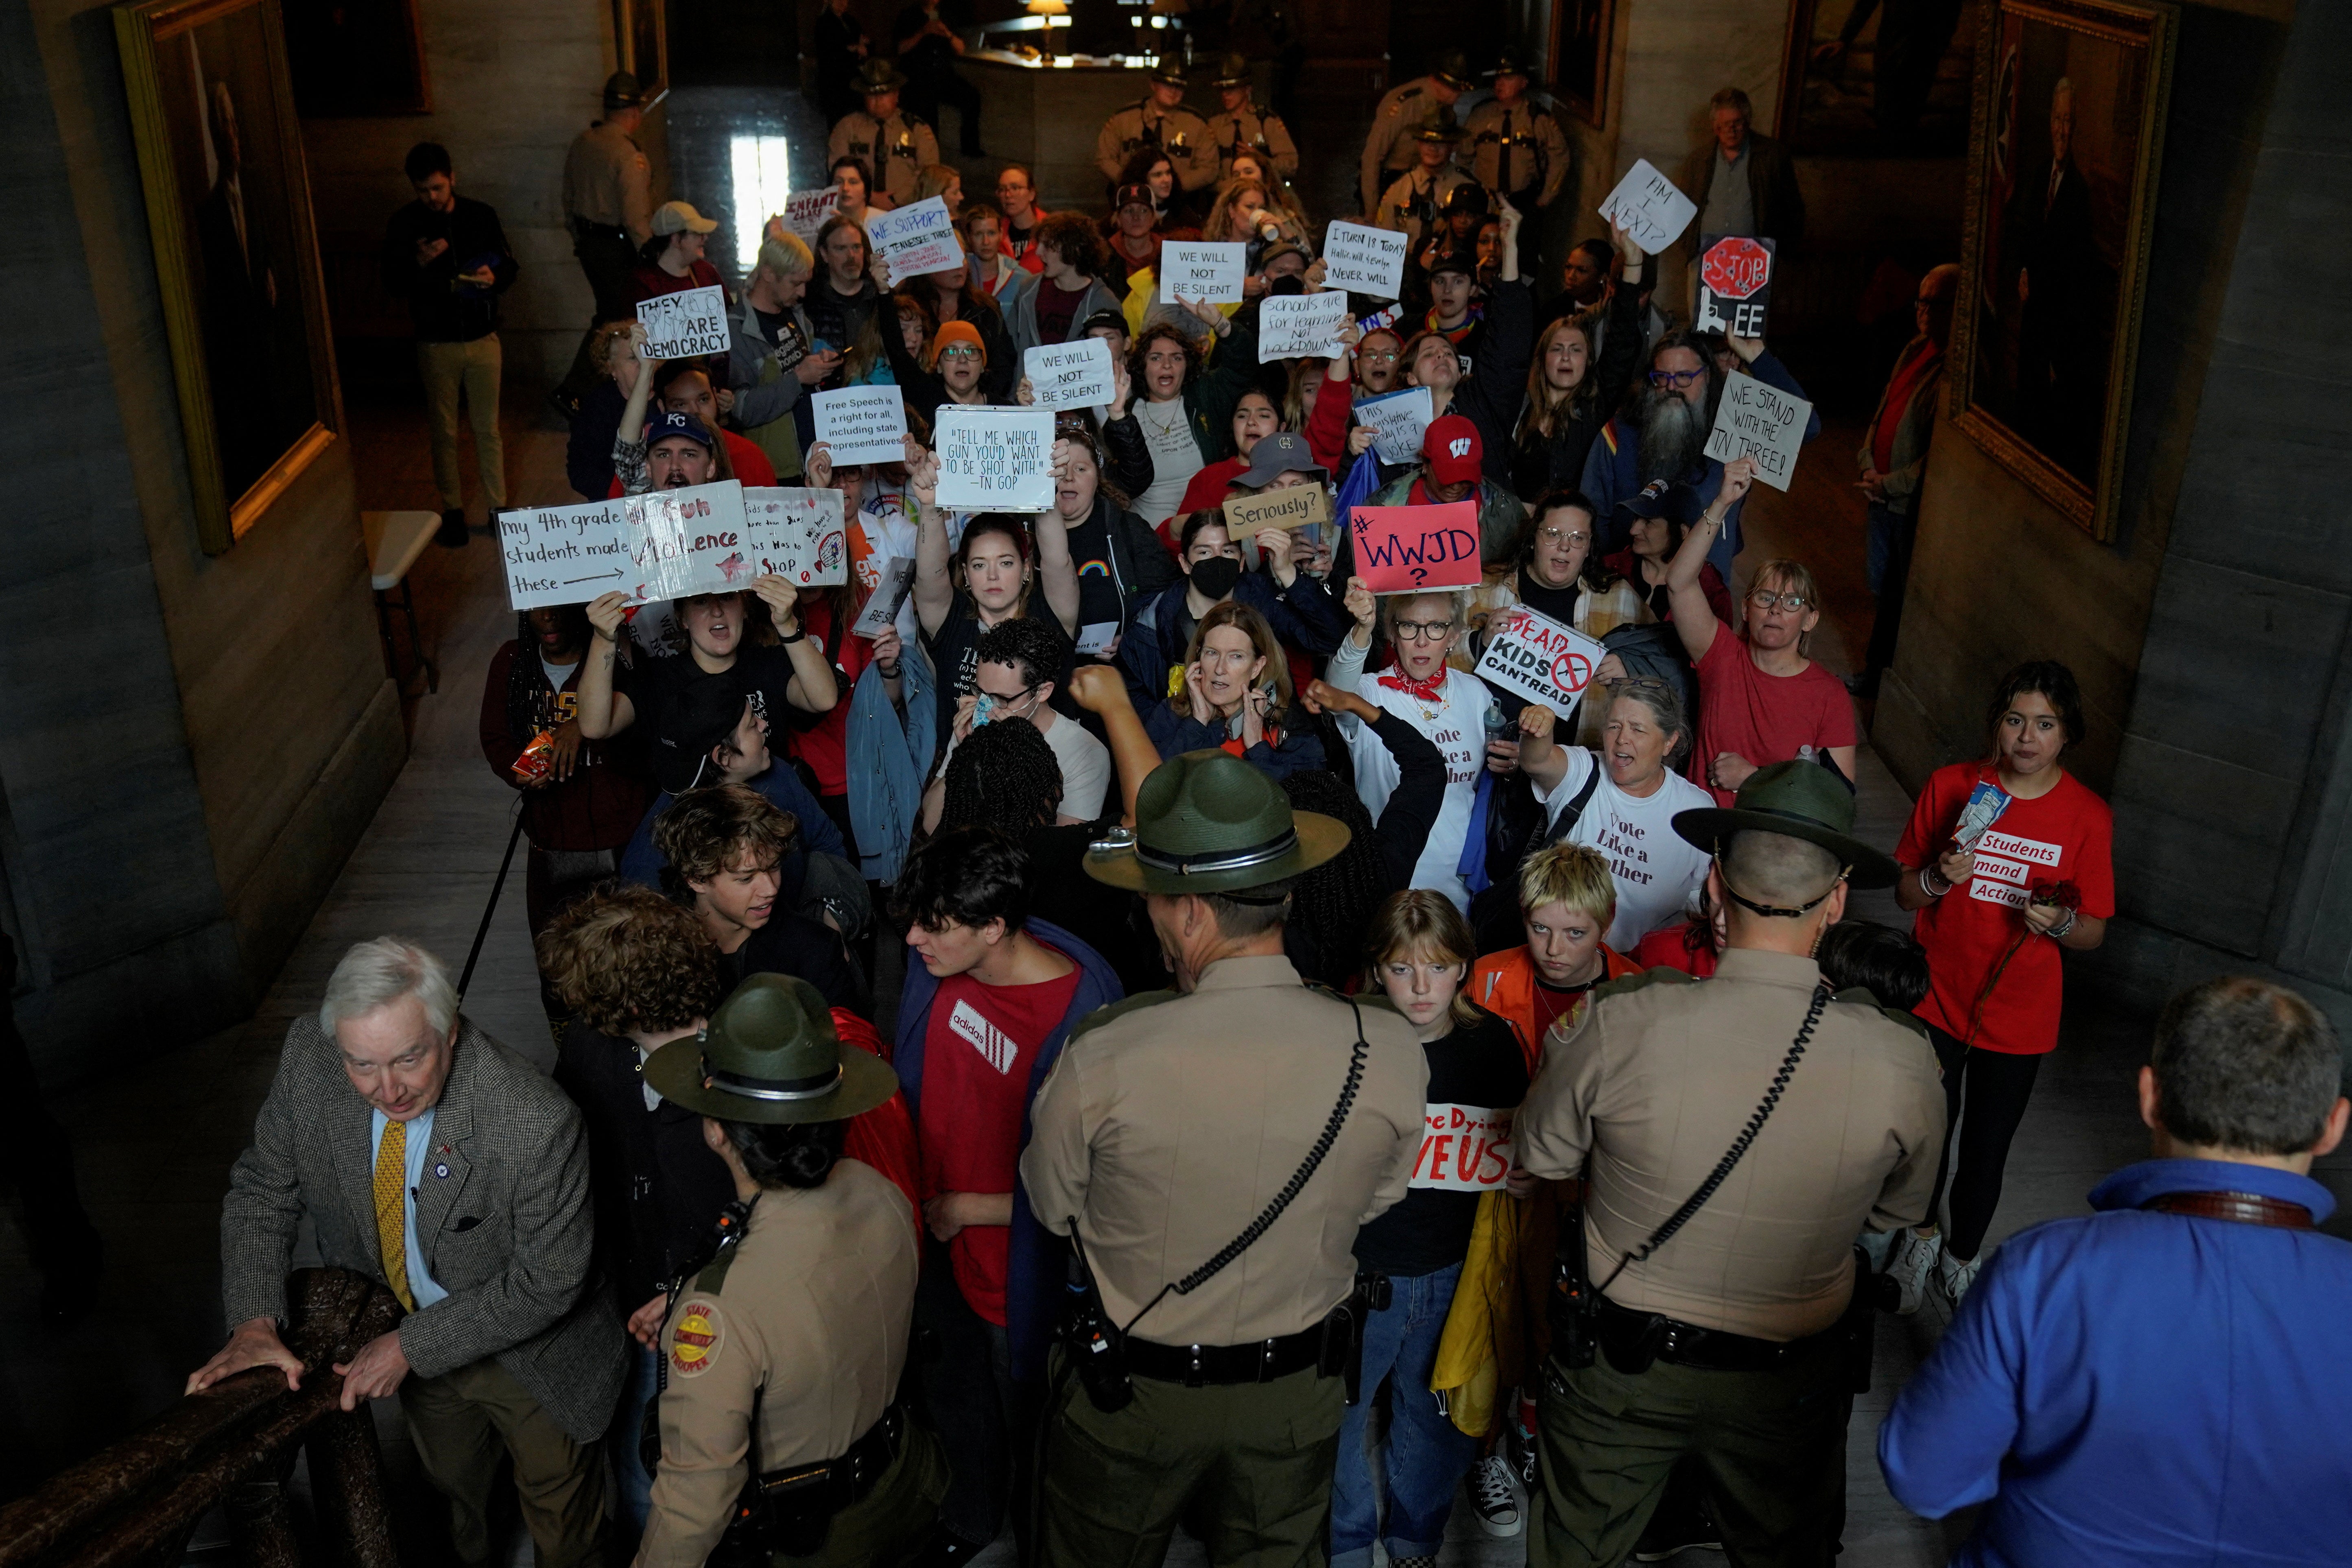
[136, 1502]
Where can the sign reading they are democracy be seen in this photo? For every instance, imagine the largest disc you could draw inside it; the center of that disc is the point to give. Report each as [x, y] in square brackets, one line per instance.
[1412, 548]
[1535, 655]
[995, 459]
[1651, 208]
[1069, 375]
[1757, 419]
[703, 539]
[1368, 260]
[1208, 270]
[914, 239]
[688, 324]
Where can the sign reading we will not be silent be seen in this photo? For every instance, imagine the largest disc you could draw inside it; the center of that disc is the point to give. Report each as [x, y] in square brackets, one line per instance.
[703, 539]
[688, 324]
[1412, 548]
[1757, 419]
[1207, 271]
[1069, 375]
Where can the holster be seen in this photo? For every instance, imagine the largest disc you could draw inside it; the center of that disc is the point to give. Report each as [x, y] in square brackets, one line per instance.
[1568, 1309]
[1343, 1331]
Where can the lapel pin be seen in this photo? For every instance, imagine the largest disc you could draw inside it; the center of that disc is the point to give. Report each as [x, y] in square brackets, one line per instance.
[441, 1170]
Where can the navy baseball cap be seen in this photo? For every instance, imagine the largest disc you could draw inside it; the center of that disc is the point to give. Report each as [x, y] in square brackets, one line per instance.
[668, 422]
[704, 712]
[1659, 497]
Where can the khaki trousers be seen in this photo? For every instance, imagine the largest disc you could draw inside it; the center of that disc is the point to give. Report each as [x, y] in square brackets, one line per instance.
[1246, 1467]
[889, 1524]
[448, 369]
[461, 1421]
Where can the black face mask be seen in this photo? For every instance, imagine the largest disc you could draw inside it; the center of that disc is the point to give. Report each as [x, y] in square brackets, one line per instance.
[1215, 576]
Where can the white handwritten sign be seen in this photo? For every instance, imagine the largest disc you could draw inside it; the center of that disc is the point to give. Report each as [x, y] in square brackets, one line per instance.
[995, 459]
[1069, 375]
[1536, 656]
[685, 325]
[805, 211]
[1367, 260]
[897, 579]
[1203, 269]
[1759, 420]
[660, 545]
[796, 533]
[1095, 637]
[1464, 1148]
[1398, 420]
[1289, 325]
[914, 239]
[863, 424]
[1653, 210]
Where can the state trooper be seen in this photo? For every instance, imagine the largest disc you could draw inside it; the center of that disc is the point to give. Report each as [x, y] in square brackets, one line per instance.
[1388, 151]
[897, 146]
[1240, 1127]
[782, 1438]
[608, 199]
[1517, 147]
[1159, 120]
[1241, 126]
[1412, 204]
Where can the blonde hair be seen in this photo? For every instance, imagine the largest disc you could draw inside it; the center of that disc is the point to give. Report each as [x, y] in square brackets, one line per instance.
[1457, 609]
[600, 346]
[1420, 923]
[1571, 876]
[785, 254]
[1790, 577]
[1252, 624]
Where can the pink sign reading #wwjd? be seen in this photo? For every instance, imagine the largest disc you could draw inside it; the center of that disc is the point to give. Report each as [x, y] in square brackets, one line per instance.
[1410, 549]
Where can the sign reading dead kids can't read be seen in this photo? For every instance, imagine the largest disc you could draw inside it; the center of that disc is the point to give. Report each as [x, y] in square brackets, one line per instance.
[1536, 656]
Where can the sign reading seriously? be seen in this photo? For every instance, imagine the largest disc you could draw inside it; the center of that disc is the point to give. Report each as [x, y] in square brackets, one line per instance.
[1536, 656]
[685, 325]
[1759, 420]
[995, 459]
[1293, 506]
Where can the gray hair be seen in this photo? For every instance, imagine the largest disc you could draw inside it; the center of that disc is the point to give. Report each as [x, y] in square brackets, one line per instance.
[2246, 1065]
[376, 974]
[1664, 701]
[1778, 868]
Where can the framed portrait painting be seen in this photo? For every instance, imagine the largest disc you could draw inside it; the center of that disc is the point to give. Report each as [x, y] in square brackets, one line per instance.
[236, 258]
[644, 44]
[2063, 159]
[357, 58]
[1581, 35]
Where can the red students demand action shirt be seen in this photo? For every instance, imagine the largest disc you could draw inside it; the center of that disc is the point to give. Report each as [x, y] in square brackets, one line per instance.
[1763, 718]
[976, 1057]
[2064, 836]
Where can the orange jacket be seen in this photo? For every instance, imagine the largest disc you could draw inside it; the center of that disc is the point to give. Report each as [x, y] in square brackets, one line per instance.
[1505, 985]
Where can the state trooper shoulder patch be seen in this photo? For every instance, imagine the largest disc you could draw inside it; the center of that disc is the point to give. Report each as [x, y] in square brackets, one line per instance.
[696, 1341]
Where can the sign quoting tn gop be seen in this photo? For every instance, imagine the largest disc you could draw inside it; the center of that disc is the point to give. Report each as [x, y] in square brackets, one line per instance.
[1536, 656]
[1757, 419]
[1464, 1148]
[1735, 284]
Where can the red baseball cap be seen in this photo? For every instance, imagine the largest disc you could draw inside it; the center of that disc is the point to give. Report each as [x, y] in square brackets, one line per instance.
[1452, 449]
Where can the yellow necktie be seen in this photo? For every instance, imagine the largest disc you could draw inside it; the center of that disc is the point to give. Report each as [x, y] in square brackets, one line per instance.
[392, 1209]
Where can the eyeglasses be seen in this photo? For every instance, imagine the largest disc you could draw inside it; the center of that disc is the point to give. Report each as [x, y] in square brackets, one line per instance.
[1675, 378]
[1563, 536]
[959, 351]
[1377, 353]
[1422, 631]
[1765, 599]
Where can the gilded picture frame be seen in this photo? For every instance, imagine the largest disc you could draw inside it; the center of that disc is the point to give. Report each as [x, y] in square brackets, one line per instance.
[1582, 34]
[236, 251]
[644, 44]
[2064, 146]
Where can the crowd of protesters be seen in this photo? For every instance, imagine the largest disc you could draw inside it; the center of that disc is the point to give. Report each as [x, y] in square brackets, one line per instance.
[896, 1274]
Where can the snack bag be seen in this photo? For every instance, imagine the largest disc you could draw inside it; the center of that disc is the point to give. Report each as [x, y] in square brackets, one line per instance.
[537, 759]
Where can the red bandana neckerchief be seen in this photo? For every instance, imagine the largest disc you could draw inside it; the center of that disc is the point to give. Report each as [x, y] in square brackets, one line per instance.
[1430, 690]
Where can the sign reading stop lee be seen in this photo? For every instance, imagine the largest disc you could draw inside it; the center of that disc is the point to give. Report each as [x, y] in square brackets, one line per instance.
[1735, 284]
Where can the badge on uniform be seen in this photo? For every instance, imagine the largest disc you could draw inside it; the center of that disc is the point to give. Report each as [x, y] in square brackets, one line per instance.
[695, 1342]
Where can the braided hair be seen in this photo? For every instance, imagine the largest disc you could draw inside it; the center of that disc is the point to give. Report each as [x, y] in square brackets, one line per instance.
[529, 699]
[1332, 905]
[1004, 775]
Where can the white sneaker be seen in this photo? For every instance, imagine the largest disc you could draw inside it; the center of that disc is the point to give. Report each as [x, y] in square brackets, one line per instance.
[1911, 1266]
[1956, 1277]
[1490, 1496]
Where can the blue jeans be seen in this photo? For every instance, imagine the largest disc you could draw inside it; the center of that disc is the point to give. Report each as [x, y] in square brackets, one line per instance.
[1425, 1456]
[634, 1496]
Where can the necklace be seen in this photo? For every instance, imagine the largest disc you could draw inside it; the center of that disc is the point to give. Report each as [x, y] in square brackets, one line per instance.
[1164, 430]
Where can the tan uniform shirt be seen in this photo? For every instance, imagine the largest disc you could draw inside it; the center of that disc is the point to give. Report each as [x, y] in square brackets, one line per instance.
[1391, 149]
[1252, 130]
[1179, 132]
[606, 181]
[1412, 206]
[1538, 150]
[896, 150]
[1168, 1126]
[1652, 1086]
[811, 1317]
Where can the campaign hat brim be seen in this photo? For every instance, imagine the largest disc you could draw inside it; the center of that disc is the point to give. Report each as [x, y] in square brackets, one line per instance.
[1319, 839]
[677, 1073]
[1708, 826]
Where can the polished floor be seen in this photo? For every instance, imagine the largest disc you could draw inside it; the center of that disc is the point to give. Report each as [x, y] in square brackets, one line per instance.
[153, 1150]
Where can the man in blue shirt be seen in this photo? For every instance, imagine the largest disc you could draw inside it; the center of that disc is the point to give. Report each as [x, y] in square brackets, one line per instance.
[2162, 1382]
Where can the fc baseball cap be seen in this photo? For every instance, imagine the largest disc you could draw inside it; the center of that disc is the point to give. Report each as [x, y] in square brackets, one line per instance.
[669, 421]
[679, 217]
[1451, 448]
[703, 713]
[1284, 452]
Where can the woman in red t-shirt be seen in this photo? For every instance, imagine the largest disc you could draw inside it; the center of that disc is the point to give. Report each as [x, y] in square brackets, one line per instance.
[2005, 862]
[1761, 699]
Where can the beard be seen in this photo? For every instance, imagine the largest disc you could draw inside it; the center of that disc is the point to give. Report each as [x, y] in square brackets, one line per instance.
[1674, 436]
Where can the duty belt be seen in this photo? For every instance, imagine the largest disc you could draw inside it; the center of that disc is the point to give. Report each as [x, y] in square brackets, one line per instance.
[1195, 1366]
[584, 229]
[1630, 1338]
[842, 1481]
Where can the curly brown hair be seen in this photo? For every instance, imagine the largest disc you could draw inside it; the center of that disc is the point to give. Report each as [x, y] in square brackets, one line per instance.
[1074, 239]
[708, 831]
[625, 958]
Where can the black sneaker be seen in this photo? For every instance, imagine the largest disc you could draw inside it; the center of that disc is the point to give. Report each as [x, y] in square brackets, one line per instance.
[453, 527]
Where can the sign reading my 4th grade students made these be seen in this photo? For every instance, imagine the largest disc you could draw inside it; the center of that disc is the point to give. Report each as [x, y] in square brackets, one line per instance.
[1535, 655]
[995, 459]
[688, 324]
[659, 545]
[1757, 419]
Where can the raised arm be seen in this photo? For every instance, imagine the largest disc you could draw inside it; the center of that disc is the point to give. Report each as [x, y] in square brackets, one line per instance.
[1694, 619]
[1100, 689]
[1543, 762]
[934, 590]
[603, 710]
[813, 689]
[1058, 574]
[629, 435]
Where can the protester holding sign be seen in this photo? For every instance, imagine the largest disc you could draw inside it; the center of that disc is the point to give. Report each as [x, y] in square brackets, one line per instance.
[1237, 696]
[1452, 470]
[1420, 954]
[772, 363]
[2005, 862]
[1154, 651]
[956, 367]
[1184, 416]
[677, 450]
[999, 579]
[790, 675]
[672, 262]
[952, 297]
[1574, 384]
[1119, 562]
[1761, 701]
[682, 386]
[1490, 392]
[1620, 801]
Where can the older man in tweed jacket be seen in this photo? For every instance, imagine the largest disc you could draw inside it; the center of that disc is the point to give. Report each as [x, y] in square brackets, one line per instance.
[434, 1159]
